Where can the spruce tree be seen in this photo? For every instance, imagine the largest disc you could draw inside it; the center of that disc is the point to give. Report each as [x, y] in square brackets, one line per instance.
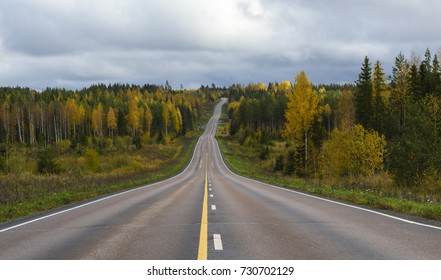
[399, 96]
[363, 95]
[379, 107]
[436, 76]
[414, 87]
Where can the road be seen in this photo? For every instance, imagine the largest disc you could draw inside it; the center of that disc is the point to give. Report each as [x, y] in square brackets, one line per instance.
[207, 212]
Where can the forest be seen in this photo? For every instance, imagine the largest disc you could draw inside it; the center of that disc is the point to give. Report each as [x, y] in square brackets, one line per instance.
[59, 146]
[382, 133]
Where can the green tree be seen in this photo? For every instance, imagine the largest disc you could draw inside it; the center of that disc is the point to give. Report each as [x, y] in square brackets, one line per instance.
[399, 95]
[418, 148]
[47, 162]
[363, 95]
[379, 91]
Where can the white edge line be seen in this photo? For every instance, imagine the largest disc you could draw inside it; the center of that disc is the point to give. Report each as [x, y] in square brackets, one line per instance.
[323, 199]
[104, 198]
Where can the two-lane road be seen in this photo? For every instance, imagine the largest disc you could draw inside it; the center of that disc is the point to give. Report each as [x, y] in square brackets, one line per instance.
[209, 212]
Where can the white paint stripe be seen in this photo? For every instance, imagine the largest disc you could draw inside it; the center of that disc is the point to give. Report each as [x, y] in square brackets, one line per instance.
[217, 242]
[211, 195]
[210, 190]
[213, 207]
[107, 197]
[323, 199]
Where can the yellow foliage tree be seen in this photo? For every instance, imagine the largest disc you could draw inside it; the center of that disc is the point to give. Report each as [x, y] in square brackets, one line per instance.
[112, 125]
[133, 121]
[284, 87]
[148, 117]
[303, 108]
[97, 121]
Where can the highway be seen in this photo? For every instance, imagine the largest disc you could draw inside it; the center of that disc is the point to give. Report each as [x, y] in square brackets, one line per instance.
[208, 212]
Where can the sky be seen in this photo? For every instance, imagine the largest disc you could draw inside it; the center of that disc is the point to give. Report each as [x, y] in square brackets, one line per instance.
[76, 43]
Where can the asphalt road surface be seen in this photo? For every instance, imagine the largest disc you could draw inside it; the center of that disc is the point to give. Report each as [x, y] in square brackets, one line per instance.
[207, 212]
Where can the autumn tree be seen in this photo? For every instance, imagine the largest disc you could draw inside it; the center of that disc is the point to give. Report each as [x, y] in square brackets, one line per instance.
[97, 121]
[346, 111]
[111, 122]
[303, 108]
[148, 117]
[133, 120]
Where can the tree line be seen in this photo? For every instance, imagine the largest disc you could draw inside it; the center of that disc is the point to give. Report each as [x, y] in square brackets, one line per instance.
[147, 113]
[378, 123]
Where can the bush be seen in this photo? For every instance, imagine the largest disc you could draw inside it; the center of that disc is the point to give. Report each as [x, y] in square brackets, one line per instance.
[355, 152]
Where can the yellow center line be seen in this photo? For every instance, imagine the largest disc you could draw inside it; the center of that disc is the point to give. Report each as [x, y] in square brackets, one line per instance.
[203, 237]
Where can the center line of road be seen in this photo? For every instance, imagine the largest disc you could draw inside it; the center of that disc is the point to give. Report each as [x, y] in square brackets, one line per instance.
[203, 236]
[213, 207]
[211, 195]
[217, 242]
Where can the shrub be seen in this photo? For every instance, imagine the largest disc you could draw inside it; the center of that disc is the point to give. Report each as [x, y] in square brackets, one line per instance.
[355, 152]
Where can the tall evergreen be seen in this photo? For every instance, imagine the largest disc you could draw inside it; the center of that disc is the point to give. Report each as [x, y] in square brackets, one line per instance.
[400, 93]
[363, 95]
[413, 84]
[379, 107]
[436, 77]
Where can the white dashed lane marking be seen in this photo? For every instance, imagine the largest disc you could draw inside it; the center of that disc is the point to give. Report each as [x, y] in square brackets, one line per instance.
[217, 242]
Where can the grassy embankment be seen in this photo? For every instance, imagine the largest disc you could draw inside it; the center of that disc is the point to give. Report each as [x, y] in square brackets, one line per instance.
[119, 167]
[376, 194]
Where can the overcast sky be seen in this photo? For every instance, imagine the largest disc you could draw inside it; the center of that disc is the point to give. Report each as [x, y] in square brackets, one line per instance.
[76, 43]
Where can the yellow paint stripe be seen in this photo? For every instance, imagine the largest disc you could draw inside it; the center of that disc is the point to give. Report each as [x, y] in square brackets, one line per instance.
[203, 237]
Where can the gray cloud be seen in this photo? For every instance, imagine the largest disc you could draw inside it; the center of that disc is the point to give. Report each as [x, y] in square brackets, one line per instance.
[78, 42]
